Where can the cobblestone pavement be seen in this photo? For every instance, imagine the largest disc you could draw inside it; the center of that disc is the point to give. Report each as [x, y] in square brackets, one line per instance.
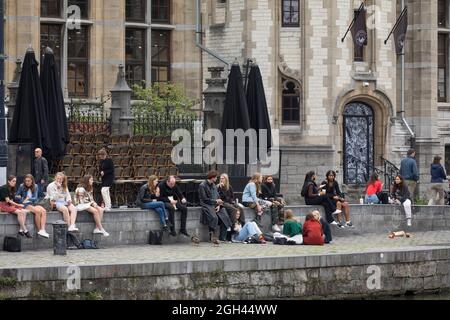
[187, 252]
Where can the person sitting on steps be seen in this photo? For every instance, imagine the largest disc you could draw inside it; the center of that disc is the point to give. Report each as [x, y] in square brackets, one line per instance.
[269, 193]
[401, 195]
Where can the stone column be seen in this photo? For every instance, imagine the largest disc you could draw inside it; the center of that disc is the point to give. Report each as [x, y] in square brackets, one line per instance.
[13, 87]
[122, 120]
[214, 97]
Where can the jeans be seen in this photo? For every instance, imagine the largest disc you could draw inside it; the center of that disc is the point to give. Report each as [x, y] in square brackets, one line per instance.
[248, 230]
[373, 199]
[160, 209]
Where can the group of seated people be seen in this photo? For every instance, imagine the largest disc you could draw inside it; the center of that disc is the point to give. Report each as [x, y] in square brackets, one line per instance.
[26, 200]
[398, 194]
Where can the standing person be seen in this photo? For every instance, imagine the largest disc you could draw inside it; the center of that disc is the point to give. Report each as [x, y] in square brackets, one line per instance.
[58, 194]
[213, 214]
[269, 192]
[334, 193]
[40, 171]
[173, 200]
[107, 173]
[84, 200]
[7, 204]
[27, 194]
[409, 172]
[250, 199]
[400, 195]
[313, 196]
[226, 194]
[374, 186]
[438, 176]
[148, 199]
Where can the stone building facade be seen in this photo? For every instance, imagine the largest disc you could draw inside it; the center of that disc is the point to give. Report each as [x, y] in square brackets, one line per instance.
[153, 39]
[337, 107]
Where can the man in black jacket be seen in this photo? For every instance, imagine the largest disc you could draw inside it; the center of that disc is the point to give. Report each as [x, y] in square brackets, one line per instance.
[212, 211]
[173, 200]
[40, 171]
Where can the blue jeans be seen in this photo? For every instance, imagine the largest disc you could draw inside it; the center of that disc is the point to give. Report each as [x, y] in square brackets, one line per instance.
[160, 209]
[373, 199]
[250, 229]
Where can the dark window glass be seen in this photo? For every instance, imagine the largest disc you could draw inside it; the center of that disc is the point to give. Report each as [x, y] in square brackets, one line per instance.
[51, 8]
[161, 11]
[291, 13]
[135, 45]
[83, 5]
[291, 104]
[160, 56]
[135, 10]
[442, 67]
[358, 52]
[442, 13]
[78, 62]
[51, 36]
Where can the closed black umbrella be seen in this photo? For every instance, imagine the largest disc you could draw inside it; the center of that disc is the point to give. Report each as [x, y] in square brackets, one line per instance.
[257, 106]
[54, 105]
[235, 115]
[29, 123]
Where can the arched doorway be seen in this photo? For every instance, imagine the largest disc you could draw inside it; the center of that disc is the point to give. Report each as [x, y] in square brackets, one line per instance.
[358, 142]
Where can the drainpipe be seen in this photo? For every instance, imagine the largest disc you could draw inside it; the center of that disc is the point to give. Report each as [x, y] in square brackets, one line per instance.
[411, 132]
[198, 37]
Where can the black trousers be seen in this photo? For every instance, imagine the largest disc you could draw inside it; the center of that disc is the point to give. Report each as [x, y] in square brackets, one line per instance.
[326, 202]
[171, 211]
[326, 230]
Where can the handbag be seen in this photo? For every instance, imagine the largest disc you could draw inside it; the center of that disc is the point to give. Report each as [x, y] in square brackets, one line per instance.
[155, 238]
[89, 244]
[12, 244]
[383, 196]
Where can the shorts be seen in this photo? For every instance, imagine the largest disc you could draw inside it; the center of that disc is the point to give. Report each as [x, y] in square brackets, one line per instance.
[59, 204]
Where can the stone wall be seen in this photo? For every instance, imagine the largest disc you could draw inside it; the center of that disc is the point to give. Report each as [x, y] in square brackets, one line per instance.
[307, 277]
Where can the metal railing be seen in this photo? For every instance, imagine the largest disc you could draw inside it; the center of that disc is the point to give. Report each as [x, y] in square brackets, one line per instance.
[160, 124]
[87, 117]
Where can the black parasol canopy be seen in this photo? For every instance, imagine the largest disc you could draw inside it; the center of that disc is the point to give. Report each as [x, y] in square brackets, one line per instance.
[54, 106]
[235, 115]
[257, 107]
[29, 123]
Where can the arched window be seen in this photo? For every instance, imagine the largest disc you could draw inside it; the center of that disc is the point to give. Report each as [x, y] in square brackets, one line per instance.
[290, 103]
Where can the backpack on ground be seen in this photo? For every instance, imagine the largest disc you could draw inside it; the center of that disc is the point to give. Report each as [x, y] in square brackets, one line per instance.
[73, 242]
[89, 244]
[12, 244]
[155, 238]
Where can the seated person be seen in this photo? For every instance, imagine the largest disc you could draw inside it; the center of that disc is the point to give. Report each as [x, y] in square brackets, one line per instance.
[334, 193]
[250, 199]
[313, 231]
[213, 214]
[292, 229]
[84, 200]
[226, 194]
[250, 229]
[28, 195]
[269, 193]
[148, 199]
[400, 195]
[374, 186]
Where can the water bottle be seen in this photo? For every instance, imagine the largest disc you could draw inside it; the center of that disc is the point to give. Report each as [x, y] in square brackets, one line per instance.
[361, 200]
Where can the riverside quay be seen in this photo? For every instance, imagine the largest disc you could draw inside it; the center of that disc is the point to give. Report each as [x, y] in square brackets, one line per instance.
[224, 150]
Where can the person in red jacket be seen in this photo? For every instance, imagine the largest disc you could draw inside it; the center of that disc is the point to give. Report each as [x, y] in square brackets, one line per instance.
[312, 230]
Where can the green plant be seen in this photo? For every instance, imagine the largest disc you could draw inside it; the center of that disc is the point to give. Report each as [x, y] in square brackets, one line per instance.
[94, 295]
[162, 98]
[6, 282]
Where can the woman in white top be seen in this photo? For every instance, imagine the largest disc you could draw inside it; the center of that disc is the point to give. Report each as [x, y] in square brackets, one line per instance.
[59, 195]
[85, 202]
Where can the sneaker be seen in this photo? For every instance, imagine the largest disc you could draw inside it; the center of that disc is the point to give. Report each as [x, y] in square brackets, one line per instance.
[105, 234]
[408, 222]
[341, 225]
[73, 228]
[173, 233]
[334, 223]
[337, 212]
[276, 228]
[165, 228]
[350, 224]
[96, 231]
[185, 233]
[21, 233]
[261, 239]
[27, 234]
[43, 234]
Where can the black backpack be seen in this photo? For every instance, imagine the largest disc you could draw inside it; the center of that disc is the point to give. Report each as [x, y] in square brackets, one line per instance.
[155, 238]
[12, 244]
[72, 242]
